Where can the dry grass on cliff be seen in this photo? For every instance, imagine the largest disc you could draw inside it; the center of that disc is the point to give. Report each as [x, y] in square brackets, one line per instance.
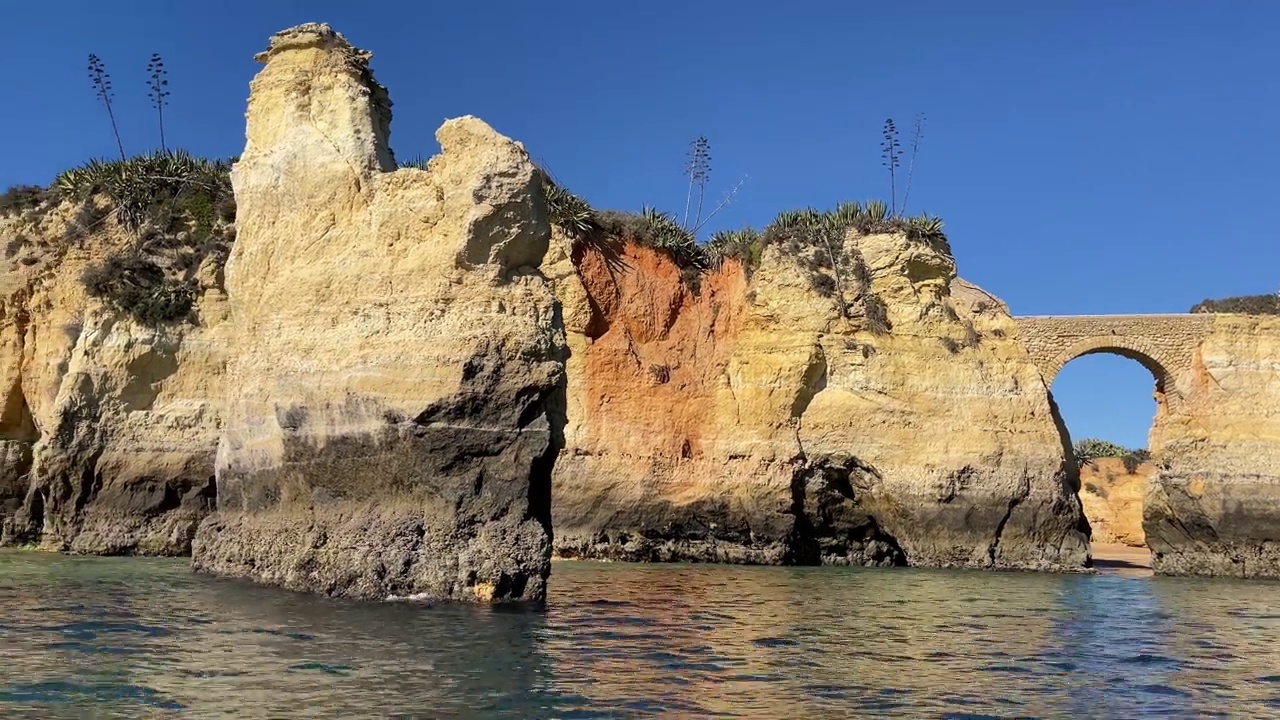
[21, 198]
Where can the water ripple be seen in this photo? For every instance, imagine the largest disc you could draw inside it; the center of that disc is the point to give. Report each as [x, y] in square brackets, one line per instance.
[146, 638]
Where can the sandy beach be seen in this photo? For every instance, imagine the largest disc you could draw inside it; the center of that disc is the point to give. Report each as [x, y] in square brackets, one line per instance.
[1122, 559]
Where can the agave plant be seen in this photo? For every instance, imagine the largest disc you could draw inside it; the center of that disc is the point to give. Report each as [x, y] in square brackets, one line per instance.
[666, 232]
[418, 162]
[745, 246]
[927, 228]
[137, 184]
[792, 219]
[848, 214]
[877, 211]
[566, 210]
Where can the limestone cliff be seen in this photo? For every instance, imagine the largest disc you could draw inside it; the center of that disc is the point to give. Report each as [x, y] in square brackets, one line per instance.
[1113, 498]
[395, 375]
[109, 426]
[781, 416]
[1212, 508]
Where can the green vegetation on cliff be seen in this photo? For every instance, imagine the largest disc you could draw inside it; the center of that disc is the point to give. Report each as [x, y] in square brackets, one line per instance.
[177, 209]
[814, 237]
[182, 211]
[20, 198]
[797, 231]
[1243, 304]
[1089, 449]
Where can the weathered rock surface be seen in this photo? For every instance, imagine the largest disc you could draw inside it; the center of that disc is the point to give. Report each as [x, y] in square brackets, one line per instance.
[396, 375]
[1113, 500]
[108, 428]
[759, 421]
[1214, 506]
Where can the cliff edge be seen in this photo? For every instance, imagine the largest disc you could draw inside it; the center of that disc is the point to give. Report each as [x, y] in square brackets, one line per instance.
[395, 376]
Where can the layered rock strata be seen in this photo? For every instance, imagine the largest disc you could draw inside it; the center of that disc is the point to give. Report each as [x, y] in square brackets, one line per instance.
[1213, 507]
[395, 382]
[885, 417]
[109, 427]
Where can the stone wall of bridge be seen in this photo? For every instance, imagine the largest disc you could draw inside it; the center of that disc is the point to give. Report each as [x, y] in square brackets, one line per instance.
[1164, 344]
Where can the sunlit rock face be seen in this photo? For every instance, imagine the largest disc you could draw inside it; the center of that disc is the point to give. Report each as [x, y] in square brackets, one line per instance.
[769, 418]
[1213, 507]
[1112, 494]
[108, 427]
[395, 376]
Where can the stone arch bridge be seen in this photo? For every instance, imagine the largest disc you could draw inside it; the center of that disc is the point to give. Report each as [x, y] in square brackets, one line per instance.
[1163, 344]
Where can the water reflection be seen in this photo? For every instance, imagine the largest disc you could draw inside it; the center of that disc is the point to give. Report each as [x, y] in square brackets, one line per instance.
[145, 638]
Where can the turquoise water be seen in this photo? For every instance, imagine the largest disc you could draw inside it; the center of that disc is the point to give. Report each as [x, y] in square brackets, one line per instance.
[127, 637]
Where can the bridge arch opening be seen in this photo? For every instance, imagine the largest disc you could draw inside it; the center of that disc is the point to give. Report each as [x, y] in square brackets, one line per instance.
[1108, 395]
[1129, 348]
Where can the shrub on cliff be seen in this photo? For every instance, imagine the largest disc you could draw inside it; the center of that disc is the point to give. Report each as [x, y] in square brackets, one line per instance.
[157, 187]
[815, 237]
[135, 284]
[22, 197]
[1244, 304]
[1089, 449]
[1134, 458]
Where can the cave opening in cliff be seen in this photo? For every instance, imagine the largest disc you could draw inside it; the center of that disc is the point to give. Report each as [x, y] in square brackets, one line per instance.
[1108, 403]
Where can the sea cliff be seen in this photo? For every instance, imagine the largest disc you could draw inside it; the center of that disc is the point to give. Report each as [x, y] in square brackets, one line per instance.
[1213, 507]
[780, 414]
[394, 378]
[110, 423]
[369, 380]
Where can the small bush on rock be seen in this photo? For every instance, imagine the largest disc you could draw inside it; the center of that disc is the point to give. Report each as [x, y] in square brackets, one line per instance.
[22, 197]
[137, 285]
[1090, 449]
[1135, 458]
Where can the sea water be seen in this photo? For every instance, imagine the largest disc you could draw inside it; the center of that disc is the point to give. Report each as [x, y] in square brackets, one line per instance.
[134, 637]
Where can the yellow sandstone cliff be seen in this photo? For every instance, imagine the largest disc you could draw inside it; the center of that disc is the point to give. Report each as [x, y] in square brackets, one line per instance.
[394, 380]
[1113, 500]
[1213, 507]
[109, 426]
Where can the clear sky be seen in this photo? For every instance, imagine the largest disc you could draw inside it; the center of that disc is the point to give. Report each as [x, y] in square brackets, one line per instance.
[1093, 156]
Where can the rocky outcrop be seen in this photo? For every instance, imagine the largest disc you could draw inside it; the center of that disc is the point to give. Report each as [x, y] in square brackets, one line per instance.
[1214, 506]
[1112, 496]
[789, 416]
[396, 374]
[109, 427]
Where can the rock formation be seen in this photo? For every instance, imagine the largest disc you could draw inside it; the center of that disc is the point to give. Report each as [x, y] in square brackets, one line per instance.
[406, 376]
[766, 418]
[395, 381]
[1214, 506]
[1113, 498]
[109, 427]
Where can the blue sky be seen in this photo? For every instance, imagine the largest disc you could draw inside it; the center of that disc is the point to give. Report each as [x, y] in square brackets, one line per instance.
[1087, 156]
